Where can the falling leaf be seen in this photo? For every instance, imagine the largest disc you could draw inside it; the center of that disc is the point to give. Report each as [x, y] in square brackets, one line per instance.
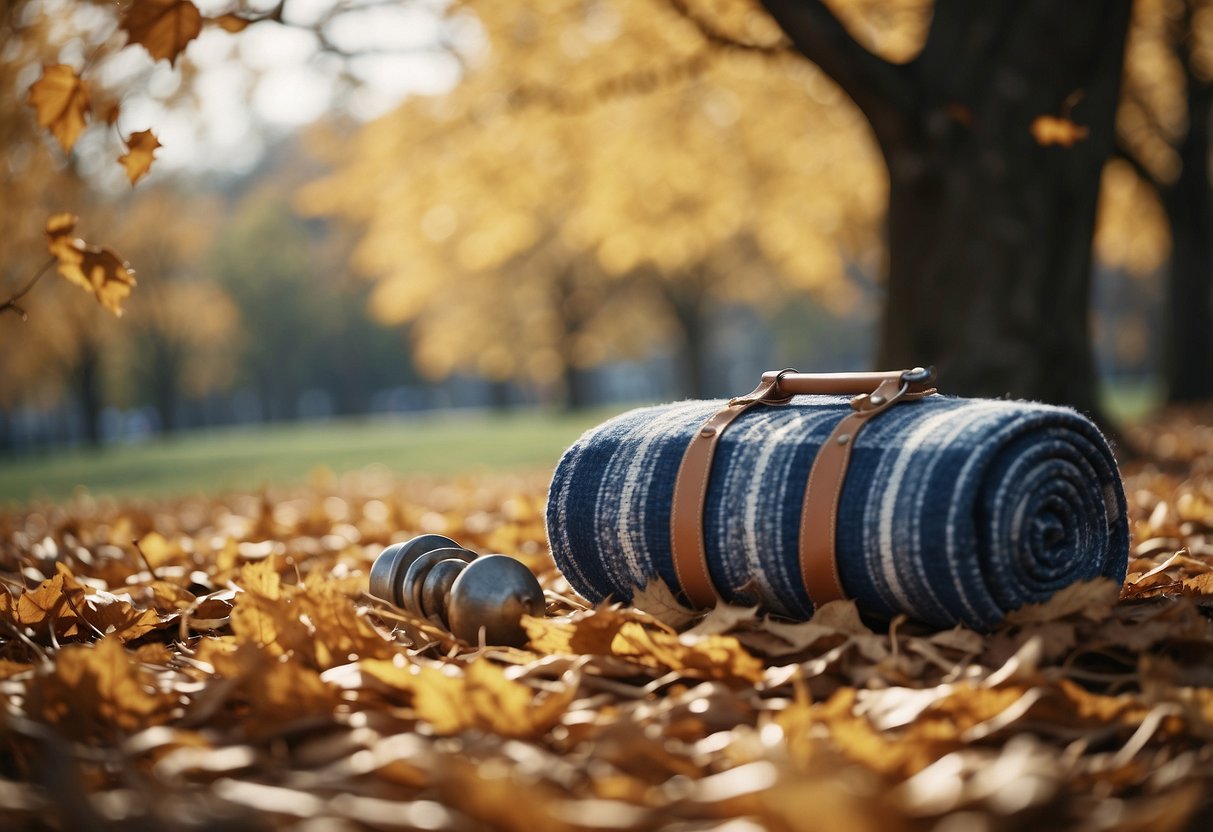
[231, 22]
[138, 157]
[163, 27]
[1049, 130]
[109, 112]
[97, 270]
[61, 101]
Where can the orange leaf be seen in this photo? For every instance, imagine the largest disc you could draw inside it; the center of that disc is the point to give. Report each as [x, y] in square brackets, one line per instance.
[1049, 130]
[700, 657]
[163, 27]
[231, 22]
[481, 697]
[99, 690]
[98, 270]
[138, 157]
[60, 100]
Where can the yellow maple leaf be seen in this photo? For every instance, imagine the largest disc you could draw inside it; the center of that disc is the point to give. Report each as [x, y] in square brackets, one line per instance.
[701, 657]
[482, 697]
[98, 270]
[163, 27]
[61, 102]
[1057, 130]
[580, 633]
[137, 160]
[98, 689]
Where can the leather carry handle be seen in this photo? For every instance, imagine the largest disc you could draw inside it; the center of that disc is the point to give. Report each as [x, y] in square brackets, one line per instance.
[876, 393]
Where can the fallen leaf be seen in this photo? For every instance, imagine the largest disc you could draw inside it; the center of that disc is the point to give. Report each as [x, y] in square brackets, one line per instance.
[138, 157]
[698, 657]
[61, 102]
[1092, 600]
[163, 27]
[99, 690]
[586, 632]
[479, 697]
[659, 601]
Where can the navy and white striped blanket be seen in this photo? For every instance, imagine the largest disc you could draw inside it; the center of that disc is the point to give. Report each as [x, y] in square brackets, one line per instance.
[953, 510]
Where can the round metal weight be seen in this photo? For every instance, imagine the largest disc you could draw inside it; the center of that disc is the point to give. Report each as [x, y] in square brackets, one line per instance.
[491, 595]
[387, 572]
[414, 577]
[436, 588]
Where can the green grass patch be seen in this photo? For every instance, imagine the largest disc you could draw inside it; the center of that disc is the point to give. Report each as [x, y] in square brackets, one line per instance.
[248, 458]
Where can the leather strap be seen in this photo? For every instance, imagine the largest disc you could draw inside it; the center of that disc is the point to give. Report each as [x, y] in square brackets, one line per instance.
[819, 514]
[818, 567]
[691, 489]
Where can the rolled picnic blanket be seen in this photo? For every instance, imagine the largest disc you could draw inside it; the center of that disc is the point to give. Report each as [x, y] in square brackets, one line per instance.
[952, 510]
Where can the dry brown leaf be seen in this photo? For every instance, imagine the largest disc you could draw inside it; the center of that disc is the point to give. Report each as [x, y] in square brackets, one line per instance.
[99, 690]
[1092, 600]
[698, 657]
[658, 600]
[163, 27]
[481, 696]
[232, 23]
[137, 160]
[582, 633]
[61, 102]
[62, 606]
[97, 270]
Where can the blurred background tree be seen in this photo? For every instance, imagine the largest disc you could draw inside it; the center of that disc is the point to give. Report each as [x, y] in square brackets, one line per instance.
[662, 186]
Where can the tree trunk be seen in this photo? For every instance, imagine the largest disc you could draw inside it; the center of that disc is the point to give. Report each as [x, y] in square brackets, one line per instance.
[1189, 206]
[578, 386]
[166, 372]
[88, 389]
[989, 232]
[690, 305]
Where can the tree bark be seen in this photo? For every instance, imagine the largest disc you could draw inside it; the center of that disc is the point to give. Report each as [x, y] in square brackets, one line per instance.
[690, 305]
[88, 389]
[989, 233]
[1189, 206]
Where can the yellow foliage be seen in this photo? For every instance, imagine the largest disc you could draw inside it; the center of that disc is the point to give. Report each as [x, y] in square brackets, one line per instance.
[754, 168]
[1131, 231]
[96, 269]
[163, 27]
[137, 160]
[61, 101]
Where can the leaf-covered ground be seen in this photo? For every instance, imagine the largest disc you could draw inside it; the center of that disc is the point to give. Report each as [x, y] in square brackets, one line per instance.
[217, 664]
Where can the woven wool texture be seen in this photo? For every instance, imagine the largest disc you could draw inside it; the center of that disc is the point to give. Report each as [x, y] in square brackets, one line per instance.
[953, 510]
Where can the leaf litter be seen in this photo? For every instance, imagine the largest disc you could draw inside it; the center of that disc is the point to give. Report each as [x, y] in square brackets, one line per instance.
[217, 663]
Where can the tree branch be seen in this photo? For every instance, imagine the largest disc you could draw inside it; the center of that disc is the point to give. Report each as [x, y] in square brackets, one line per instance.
[883, 91]
[11, 303]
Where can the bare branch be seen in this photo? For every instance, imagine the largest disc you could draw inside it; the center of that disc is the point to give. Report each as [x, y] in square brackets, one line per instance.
[11, 303]
[882, 90]
[716, 36]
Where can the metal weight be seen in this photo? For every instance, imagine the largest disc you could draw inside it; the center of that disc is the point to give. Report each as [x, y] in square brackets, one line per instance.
[473, 597]
[387, 572]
